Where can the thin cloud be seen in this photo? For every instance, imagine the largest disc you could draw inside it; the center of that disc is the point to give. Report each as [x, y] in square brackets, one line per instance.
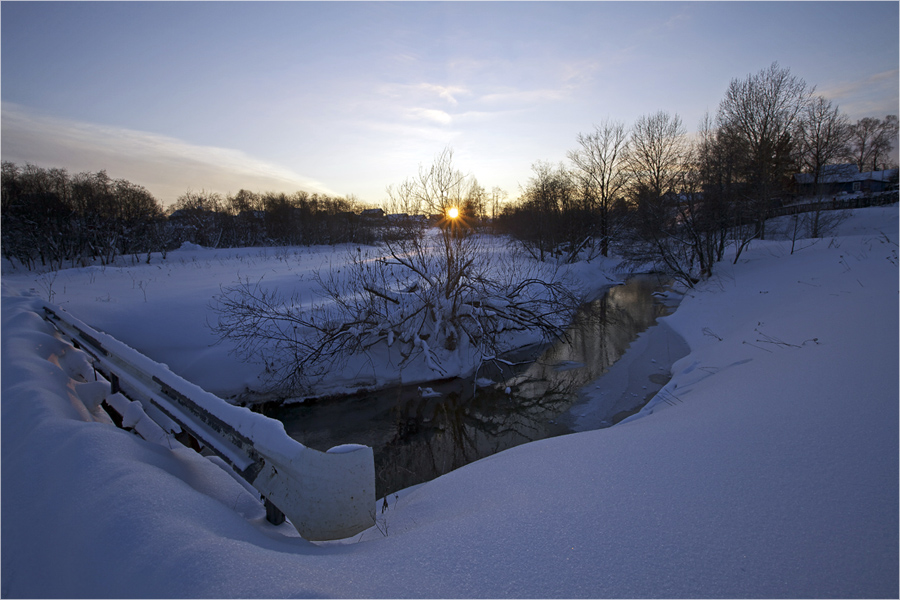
[870, 96]
[429, 114]
[440, 117]
[861, 85]
[166, 166]
[406, 132]
[580, 72]
[447, 92]
[423, 92]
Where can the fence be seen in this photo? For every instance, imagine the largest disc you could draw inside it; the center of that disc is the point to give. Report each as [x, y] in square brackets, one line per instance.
[834, 204]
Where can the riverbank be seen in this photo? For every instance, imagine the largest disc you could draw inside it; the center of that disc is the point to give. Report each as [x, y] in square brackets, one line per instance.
[630, 383]
[768, 467]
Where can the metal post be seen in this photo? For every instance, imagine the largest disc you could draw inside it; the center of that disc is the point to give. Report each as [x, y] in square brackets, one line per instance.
[273, 513]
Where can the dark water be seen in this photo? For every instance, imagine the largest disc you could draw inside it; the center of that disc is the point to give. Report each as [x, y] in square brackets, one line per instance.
[418, 436]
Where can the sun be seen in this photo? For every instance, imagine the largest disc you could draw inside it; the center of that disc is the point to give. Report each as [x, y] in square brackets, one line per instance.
[453, 213]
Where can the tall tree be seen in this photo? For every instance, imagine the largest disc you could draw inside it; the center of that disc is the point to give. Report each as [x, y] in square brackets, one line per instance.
[822, 137]
[871, 141]
[862, 138]
[497, 196]
[761, 113]
[601, 160]
[885, 141]
[717, 159]
[551, 218]
[472, 208]
[660, 160]
[658, 150]
[441, 186]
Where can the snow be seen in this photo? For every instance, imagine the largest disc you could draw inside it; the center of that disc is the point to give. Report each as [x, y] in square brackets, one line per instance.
[429, 393]
[163, 310]
[767, 466]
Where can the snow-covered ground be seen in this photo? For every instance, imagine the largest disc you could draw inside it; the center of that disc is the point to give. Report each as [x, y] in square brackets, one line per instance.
[164, 309]
[767, 467]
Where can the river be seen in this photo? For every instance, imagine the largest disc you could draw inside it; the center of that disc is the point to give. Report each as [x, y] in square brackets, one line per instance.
[586, 380]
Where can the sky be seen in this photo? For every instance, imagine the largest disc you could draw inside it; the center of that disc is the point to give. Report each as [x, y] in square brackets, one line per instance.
[347, 98]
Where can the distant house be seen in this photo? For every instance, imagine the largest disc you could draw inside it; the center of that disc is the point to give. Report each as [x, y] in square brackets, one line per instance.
[372, 214]
[845, 178]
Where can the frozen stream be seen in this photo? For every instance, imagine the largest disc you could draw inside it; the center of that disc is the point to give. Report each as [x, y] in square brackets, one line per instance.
[587, 381]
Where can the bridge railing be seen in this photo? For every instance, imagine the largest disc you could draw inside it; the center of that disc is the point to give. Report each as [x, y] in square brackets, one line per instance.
[326, 495]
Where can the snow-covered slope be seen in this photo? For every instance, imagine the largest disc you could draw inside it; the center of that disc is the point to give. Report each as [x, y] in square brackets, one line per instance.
[768, 467]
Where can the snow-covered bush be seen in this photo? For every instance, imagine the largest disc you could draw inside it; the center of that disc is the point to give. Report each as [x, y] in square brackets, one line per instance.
[436, 303]
[442, 303]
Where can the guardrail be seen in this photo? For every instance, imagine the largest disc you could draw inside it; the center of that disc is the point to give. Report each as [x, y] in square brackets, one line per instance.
[326, 495]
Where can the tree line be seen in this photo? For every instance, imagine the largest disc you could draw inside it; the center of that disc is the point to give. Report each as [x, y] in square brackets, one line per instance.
[52, 219]
[658, 195]
[270, 218]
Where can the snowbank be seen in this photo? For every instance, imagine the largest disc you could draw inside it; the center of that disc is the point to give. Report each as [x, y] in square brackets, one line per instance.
[767, 467]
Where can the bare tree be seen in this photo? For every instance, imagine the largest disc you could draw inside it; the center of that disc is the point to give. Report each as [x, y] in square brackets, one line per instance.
[399, 308]
[663, 196]
[714, 209]
[601, 160]
[140, 217]
[247, 221]
[822, 138]
[551, 219]
[862, 138]
[473, 205]
[199, 216]
[871, 141]
[244, 201]
[497, 197]
[403, 199]
[885, 141]
[658, 150]
[823, 134]
[38, 217]
[440, 186]
[684, 197]
[761, 113]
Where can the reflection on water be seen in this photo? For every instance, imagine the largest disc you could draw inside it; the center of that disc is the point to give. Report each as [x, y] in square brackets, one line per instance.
[418, 435]
[599, 335]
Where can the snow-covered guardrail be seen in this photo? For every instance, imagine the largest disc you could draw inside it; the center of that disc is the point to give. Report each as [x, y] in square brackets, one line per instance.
[326, 495]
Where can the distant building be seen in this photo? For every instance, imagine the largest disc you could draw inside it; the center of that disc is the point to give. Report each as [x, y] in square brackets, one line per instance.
[845, 178]
[372, 213]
